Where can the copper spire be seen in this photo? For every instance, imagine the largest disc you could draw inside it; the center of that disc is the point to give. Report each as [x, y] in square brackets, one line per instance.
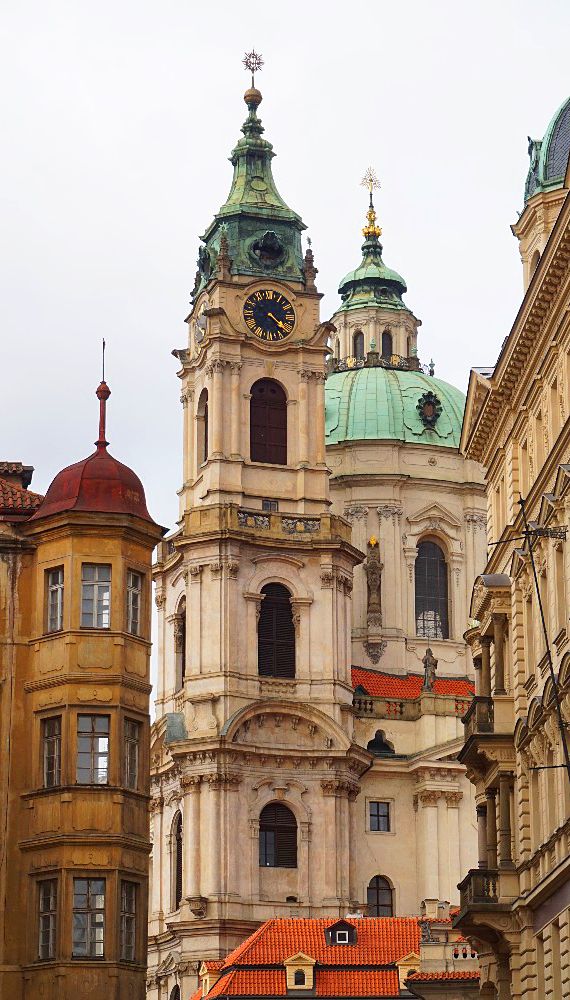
[103, 392]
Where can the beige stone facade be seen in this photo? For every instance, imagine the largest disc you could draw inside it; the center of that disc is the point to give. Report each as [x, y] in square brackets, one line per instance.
[516, 905]
[380, 806]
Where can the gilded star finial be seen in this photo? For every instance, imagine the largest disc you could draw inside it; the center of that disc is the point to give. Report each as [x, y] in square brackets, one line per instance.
[253, 61]
[371, 181]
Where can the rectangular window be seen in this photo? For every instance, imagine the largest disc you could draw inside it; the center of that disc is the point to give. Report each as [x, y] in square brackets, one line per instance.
[88, 917]
[55, 599]
[128, 920]
[51, 751]
[270, 505]
[131, 751]
[95, 596]
[92, 749]
[47, 918]
[379, 817]
[342, 937]
[134, 591]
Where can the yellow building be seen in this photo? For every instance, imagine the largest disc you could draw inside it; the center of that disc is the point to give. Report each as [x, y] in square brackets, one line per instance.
[516, 904]
[75, 590]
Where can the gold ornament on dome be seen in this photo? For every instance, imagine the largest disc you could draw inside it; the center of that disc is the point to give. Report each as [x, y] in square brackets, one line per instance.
[371, 181]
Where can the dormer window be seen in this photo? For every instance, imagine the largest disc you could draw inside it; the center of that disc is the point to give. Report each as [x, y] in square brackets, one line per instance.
[299, 978]
[342, 932]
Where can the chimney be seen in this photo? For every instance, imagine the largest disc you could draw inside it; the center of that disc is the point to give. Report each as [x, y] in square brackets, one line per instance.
[16, 474]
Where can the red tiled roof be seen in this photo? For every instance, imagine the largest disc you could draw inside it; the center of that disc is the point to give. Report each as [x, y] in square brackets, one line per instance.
[382, 685]
[16, 500]
[328, 982]
[214, 965]
[380, 941]
[416, 977]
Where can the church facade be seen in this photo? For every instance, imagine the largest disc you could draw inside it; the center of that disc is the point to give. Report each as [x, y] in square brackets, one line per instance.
[312, 673]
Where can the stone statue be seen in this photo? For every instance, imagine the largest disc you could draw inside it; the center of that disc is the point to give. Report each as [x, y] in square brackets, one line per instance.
[373, 568]
[430, 666]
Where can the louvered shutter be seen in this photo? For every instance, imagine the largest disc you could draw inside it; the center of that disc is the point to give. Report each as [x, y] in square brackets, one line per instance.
[278, 837]
[268, 423]
[276, 633]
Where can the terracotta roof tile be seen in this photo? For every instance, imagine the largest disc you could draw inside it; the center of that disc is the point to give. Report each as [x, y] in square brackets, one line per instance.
[15, 499]
[382, 685]
[329, 982]
[417, 977]
[380, 941]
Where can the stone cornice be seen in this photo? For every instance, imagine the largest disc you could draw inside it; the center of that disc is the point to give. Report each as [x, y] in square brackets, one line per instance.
[522, 341]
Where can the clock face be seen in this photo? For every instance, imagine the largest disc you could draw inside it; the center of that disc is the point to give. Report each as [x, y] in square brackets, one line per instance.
[269, 315]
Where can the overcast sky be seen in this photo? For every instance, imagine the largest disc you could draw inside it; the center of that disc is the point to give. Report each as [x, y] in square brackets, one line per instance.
[117, 122]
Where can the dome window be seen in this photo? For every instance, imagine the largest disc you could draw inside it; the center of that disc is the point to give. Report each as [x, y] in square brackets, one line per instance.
[358, 345]
[387, 345]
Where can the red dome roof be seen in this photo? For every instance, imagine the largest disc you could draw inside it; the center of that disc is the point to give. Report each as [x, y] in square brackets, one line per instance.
[99, 483]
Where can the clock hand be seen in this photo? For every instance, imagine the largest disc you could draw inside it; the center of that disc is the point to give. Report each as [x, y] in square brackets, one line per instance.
[275, 320]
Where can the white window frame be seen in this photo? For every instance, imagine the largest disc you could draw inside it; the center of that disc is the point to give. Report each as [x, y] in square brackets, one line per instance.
[96, 752]
[96, 590]
[134, 601]
[55, 581]
[94, 919]
[51, 742]
[341, 937]
[128, 935]
[131, 743]
[47, 919]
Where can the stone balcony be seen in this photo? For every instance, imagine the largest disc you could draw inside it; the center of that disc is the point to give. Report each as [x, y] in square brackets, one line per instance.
[479, 717]
[480, 887]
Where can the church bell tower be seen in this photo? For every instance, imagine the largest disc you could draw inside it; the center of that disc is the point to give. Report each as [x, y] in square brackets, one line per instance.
[255, 770]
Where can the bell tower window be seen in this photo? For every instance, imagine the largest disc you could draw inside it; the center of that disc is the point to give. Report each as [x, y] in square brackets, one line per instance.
[358, 345]
[387, 345]
[202, 420]
[276, 633]
[268, 423]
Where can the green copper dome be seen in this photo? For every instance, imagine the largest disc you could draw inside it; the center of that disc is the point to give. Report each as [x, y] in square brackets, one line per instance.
[262, 232]
[549, 157]
[384, 404]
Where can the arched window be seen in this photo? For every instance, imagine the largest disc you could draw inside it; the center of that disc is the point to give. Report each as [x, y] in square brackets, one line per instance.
[268, 422]
[277, 837]
[386, 345]
[276, 633]
[299, 977]
[180, 643]
[431, 592]
[174, 993]
[379, 897]
[358, 345]
[534, 262]
[176, 856]
[202, 419]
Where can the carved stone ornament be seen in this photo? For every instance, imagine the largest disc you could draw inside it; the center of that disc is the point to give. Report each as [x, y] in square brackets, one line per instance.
[248, 520]
[374, 650]
[355, 512]
[300, 525]
[429, 408]
[373, 567]
[388, 510]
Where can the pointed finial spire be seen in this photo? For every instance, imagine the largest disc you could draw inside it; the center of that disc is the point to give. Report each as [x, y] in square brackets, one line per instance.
[103, 392]
[371, 230]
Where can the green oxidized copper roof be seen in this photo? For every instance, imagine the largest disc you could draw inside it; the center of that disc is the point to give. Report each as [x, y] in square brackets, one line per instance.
[380, 404]
[549, 157]
[263, 233]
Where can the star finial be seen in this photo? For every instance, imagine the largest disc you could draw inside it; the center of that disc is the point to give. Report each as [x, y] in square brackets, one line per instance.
[371, 181]
[253, 61]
